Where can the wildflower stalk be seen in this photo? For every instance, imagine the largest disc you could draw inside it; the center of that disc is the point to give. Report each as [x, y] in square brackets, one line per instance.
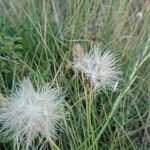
[90, 115]
[100, 69]
[88, 103]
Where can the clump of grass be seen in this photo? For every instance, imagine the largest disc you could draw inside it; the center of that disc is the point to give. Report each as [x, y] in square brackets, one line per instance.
[46, 32]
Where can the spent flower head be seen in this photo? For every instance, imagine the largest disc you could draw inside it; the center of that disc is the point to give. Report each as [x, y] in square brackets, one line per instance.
[31, 113]
[99, 67]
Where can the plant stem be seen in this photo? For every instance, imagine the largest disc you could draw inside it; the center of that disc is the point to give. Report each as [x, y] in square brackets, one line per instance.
[88, 106]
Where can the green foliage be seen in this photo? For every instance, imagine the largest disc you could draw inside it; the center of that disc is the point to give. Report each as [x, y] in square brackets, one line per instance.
[36, 40]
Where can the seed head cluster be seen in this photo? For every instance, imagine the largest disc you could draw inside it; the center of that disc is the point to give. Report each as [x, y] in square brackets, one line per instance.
[31, 113]
[99, 67]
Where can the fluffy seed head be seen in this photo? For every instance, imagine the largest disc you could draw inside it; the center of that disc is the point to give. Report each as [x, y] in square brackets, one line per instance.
[99, 67]
[31, 113]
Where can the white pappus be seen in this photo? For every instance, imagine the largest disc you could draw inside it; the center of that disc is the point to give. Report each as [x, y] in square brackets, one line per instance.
[99, 67]
[31, 113]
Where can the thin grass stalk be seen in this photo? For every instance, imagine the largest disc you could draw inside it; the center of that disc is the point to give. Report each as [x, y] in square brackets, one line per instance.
[56, 17]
